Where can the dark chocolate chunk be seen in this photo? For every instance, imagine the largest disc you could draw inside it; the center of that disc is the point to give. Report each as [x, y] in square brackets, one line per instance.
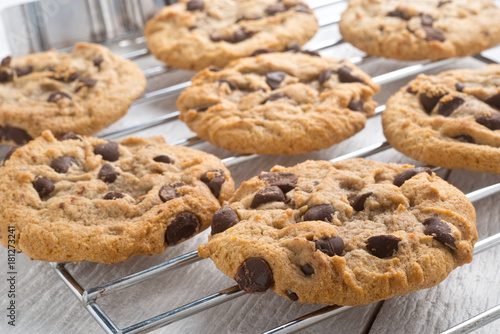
[6, 61]
[324, 76]
[345, 75]
[426, 20]
[459, 86]
[183, 226]
[439, 231]
[283, 180]
[85, 82]
[164, 159]
[223, 219]
[307, 269]
[408, 174]
[429, 102]
[213, 68]
[97, 60]
[448, 107]
[411, 90]
[356, 105]
[433, 34]
[17, 135]
[254, 276]
[292, 295]
[323, 212]
[43, 186]
[274, 79]
[231, 85]
[194, 5]
[108, 151]
[383, 245]
[23, 70]
[397, 13]
[6, 76]
[66, 75]
[214, 180]
[464, 139]
[275, 97]
[494, 101]
[330, 246]
[267, 195]
[113, 195]
[275, 8]
[358, 202]
[167, 193]
[238, 36]
[62, 164]
[56, 96]
[9, 154]
[69, 135]
[261, 51]
[491, 122]
[108, 173]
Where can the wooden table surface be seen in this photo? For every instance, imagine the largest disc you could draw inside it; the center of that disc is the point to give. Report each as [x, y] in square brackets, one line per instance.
[45, 305]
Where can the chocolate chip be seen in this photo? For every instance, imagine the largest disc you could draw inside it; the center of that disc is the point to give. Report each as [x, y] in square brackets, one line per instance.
[164, 159]
[254, 276]
[223, 219]
[459, 86]
[6, 76]
[293, 47]
[433, 34]
[214, 180]
[213, 68]
[9, 154]
[238, 36]
[323, 212]
[464, 139]
[231, 85]
[356, 105]
[167, 193]
[324, 76]
[62, 164]
[275, 8]
[408, 174]
[108, 151]
[261, 51]
[66, 75]
[113, 195]
[494, 101]
[307, 269]
[330, 246]
[302, 9]
[17, 135]
[248, 18]
[411, 90]
[69, 135]
[108, 173]
[6, 61]
[429, 102]
[85, 82]
[397, 13]
[426, 20]
[194, 5]
[271, 194]
[275, 97]
[439, 231]
[283, 180]
[23, 70]
[43, 186]
[183, 226]
[292, 295]
[446, 108]
[57, 96]
[491, 122]
[345, 75]
[97, 60]
[274, 79]
[442, 3]
[311, 53]
[383, 245]
[358, 202]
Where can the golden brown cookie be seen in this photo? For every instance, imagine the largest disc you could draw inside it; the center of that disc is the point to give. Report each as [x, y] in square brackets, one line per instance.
[82, 198]
[345, 233]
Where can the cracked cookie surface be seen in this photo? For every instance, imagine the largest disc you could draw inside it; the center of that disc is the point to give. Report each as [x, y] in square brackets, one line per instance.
[345, 233]
[278, 103]
[451, 119]
[195, 34]
[427, 29]
[82, 91]
[82, 198]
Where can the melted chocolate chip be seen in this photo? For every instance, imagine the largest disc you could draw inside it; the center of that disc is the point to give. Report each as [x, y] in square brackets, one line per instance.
[57, 96]
[69, 135]
[214, 180]
[62, 164]
[433, 34]
[85, 82]
[23, 70]
[358, 202]
[275, 97]
[108, 151]
[194, 5]
[322, 212]
[310, 53]
[442, 3]
[271, 194]
[383, 245]
[164, 159]
[356, 105]
[275, 8]
[408, 174]
[397, 13]
[426, 20]
[17, 135]
[6, 76]
[43, 186]
[231, 85]
[261, 51]
[274, 79]
[213, 68]
[167, 193]
[223, 219]
[464, 139]
[459, 86]
[254, 276]
[411, 90]
[324, 76]
[345, 75]
[429, 102]
[494, 101]
[6, 61]
[292, 295]
[448, 107]
[97, 60]
[283, 180]
[307, 269]
[108, 173]
[113, 195]
[9, 154]
[439, 231]
[238, 36]
[183, 226]
[491, 122]
[330, 246]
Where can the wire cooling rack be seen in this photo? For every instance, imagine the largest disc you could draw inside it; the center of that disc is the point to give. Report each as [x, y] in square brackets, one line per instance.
[89, 297]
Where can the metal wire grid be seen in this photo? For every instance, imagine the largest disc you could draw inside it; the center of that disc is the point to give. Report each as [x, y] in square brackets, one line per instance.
[89, 297]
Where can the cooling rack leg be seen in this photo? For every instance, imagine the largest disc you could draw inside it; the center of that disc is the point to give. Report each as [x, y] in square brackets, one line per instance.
[476, 322]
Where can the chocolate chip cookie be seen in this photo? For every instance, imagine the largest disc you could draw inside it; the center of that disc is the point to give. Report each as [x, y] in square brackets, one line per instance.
[415, 30]
[81, 198]
[450, 120]
[197, 33]
[278, 103]
[82, 91]
[346, 233]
